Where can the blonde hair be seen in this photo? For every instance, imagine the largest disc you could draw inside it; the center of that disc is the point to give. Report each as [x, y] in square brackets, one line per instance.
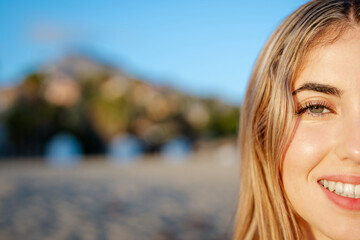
[267, 117]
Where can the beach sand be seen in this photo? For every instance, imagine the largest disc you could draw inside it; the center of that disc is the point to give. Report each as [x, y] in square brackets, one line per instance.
[150, 199]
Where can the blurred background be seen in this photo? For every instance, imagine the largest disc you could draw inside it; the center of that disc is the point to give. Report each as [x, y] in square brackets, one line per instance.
[118, 119]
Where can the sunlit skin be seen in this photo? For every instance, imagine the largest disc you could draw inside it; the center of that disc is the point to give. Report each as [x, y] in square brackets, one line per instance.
[326, 139]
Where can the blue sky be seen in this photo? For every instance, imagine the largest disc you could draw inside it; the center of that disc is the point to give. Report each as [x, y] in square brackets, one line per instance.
[202, 47]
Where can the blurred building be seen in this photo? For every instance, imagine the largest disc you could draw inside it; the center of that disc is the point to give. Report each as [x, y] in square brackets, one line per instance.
[96, 103]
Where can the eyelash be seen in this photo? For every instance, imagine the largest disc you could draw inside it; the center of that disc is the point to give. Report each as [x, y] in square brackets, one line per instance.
[305, 108]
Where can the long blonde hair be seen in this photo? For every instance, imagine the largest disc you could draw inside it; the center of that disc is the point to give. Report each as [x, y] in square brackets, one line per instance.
[267, 117]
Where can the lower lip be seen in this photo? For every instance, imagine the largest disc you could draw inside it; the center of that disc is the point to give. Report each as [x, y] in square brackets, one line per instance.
[344, 202]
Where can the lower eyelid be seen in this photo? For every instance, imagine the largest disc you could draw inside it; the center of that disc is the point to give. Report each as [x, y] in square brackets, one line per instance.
[321, 113]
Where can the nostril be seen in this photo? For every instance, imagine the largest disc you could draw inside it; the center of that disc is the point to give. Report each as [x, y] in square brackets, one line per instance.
[349, 150]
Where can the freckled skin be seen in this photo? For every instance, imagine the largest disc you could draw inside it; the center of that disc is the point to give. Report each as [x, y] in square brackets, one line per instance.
[326, 142]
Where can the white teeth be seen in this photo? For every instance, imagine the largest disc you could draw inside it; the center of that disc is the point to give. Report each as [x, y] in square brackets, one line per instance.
[357, 190]
[339, 188]
[331, 186]
[343, 189]
[349, 190]
[326, 183]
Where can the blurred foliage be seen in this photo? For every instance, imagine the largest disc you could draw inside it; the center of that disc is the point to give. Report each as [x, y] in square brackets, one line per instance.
[96, 102]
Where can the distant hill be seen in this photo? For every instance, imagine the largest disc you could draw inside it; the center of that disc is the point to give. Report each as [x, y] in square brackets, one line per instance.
[97, 102]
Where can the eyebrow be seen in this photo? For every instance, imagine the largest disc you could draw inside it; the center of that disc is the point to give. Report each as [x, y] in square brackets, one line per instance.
[318, 87]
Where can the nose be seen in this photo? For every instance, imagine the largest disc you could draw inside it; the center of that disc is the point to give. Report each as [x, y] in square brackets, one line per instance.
[348, 147]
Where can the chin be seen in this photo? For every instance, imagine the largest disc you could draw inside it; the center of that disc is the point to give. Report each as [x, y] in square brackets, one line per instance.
[334, 222]
[339, 232]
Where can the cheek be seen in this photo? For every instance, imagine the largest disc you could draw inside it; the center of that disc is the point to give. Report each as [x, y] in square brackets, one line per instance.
[310, 145]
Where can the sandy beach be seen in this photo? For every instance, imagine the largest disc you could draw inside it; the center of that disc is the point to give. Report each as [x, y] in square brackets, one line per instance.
[151, 199]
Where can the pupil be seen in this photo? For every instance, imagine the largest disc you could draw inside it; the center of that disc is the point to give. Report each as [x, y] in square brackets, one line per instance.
[317, 109]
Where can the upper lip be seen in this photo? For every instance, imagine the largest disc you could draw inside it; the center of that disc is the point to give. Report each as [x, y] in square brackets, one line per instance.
[344, 178]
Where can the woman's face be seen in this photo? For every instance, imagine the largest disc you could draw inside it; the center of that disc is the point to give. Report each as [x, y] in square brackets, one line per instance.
[321, 167]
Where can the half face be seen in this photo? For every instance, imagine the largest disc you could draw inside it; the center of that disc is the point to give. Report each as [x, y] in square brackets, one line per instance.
[321, 167]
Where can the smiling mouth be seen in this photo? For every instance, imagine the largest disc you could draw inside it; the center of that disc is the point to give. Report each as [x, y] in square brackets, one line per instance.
[342, 189]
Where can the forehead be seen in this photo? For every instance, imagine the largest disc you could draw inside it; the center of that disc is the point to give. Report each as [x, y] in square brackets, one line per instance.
[333, 63]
